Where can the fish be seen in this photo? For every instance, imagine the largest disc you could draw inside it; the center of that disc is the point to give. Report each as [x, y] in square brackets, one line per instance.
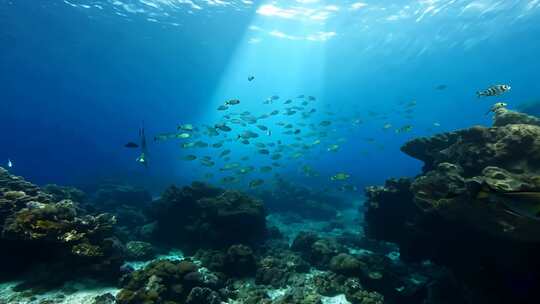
[260, 145]
[264, 151]
[244, 158]
[262, 128]
[217, 145]
[325, 123]
[143, 157]
[266, 169]
[333, 148]
[247, 135]
[223, 127]
[131, 145]
[340, 176]
[186, 127]
[207, 163]
[230, 166]
[275, 112]
[436, 124]
[256, 183]
[183, 135]
[190, 157]
[188, 145]
[290, 112]
[387, 126]
[297, 131]
[407, 128]
[288, 101]
[275, 97]
[222, 108]
[497, 107]
[232, 102]
[251, 78]
[276, 156]
[225, 152]
[441, 87]
[201, 144]
[301, 96]
[245, 142]
[495, 90]
[229, 180]
[312, 98]
[245, 170]
[9, 163]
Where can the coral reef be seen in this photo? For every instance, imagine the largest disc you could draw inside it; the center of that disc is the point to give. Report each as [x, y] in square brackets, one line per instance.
[472, 208]
[137, 250]
[169, 282]
[36, 229]
[205, 217]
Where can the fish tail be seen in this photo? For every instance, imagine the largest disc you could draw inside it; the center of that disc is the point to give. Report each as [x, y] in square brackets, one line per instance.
[479, 94]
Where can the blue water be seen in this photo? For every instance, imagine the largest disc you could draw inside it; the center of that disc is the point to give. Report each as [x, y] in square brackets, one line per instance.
[78, 78]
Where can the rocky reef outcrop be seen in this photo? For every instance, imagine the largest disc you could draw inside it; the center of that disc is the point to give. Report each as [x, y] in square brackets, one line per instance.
[166, 281]
[202, 216]
[474, 208]
[37, 229]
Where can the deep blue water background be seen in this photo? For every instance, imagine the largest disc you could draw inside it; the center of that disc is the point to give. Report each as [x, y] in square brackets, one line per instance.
[76, 83]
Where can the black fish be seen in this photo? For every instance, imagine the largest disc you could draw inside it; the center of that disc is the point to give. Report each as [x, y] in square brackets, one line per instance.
[250, 78]
[441, 87]
[131, 145]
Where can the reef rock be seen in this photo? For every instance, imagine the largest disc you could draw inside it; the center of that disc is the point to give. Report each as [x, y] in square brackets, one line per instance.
[472, 209]
[37, 229]
[203, 216]
[165, 281]
[136, 250]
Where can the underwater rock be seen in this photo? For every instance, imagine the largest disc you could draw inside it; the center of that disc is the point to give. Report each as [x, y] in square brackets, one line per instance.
[205, 295]
[240, 261]
[163, 281]
[203, 216]
[316, 250]
[388, 210]
[105, 299]
[60, 193]
[346, 264]
[279, 268]
[469, 210]
[515, 148]
[126, 202]
[36, 229]
[139, 251]
[505, 117]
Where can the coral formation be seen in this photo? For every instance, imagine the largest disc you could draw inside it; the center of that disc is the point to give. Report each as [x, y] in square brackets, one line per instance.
[203, 216]
[37, 229]
[472, 209]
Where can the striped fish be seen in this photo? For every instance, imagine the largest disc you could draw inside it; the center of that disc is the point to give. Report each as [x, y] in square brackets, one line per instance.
[495, 90]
